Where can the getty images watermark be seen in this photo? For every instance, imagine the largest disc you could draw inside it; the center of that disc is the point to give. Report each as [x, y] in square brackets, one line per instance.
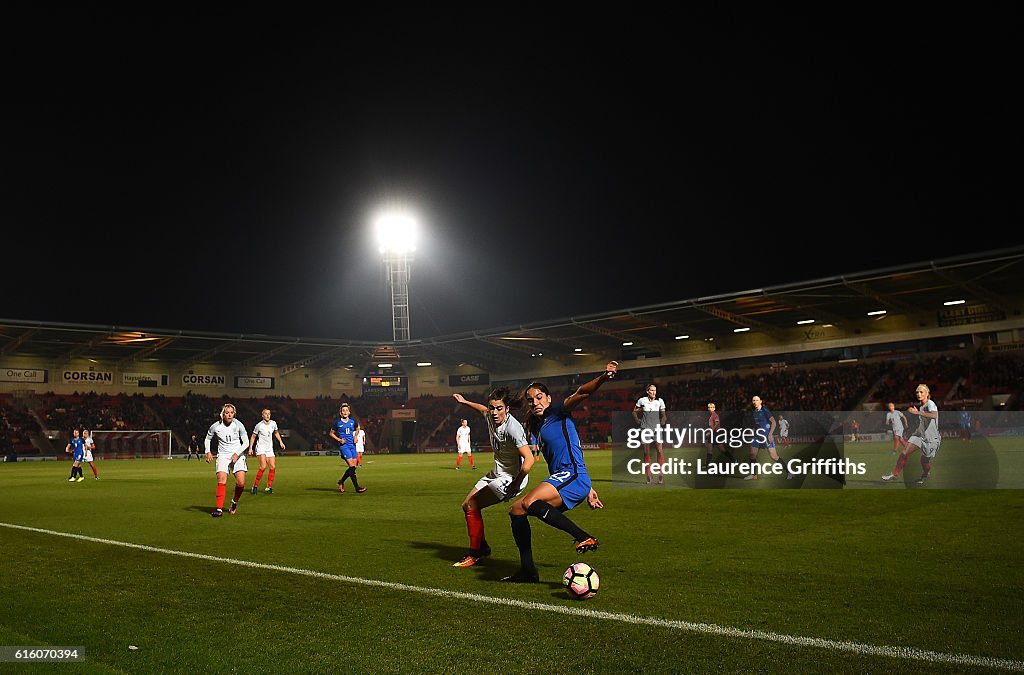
[668, 436]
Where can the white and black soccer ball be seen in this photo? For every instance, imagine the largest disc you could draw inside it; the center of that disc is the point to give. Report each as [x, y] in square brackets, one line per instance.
[581, 581]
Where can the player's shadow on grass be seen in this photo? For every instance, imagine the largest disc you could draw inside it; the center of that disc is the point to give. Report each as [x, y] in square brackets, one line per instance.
[487, 569]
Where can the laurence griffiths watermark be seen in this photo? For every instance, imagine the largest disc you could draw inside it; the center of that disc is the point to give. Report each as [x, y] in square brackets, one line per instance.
[794, 467]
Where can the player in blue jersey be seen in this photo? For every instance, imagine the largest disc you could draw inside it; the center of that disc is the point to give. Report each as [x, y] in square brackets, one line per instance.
[569, 483]
[965, 423]
[76, 448]
[764, 428]
[344, 433]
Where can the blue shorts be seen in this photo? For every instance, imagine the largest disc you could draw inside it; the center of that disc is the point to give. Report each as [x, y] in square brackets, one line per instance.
[572, 490]
[763, 446]
[348, 451]
[77, 457]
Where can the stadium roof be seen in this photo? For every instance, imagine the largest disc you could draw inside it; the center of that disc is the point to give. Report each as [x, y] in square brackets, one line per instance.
[991, 283]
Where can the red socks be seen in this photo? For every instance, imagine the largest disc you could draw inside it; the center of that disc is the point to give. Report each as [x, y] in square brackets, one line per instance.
[475, 525]
[259, 475]
[901, 462]
[221, 491]
[270, 478]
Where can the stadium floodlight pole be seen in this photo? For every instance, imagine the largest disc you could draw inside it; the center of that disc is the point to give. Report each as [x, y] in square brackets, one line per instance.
[396, 235]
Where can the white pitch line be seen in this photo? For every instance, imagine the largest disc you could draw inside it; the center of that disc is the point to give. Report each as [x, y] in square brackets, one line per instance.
[687, 626]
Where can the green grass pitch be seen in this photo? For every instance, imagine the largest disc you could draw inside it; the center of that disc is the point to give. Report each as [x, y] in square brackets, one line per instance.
[734, 580]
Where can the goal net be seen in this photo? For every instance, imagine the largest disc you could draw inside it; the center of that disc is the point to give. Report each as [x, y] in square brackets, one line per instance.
[132, 444]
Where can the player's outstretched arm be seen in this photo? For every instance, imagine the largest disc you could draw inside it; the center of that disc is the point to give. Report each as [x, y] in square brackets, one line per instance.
[480, 408]
[589, 388]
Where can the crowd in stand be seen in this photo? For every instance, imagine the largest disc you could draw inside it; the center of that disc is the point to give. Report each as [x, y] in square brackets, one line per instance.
[684, 388]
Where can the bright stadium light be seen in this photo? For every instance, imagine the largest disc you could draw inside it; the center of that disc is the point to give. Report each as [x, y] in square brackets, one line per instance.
[804, 322]
[740, 330]
[877, 312]
[396, 233]
[682, 337]
[953, 302]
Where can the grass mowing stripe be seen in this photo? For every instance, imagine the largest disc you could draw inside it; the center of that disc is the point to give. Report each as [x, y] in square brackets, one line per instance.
[687, 626]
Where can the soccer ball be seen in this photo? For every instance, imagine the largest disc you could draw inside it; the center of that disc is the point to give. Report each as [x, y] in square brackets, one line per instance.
[581, 581]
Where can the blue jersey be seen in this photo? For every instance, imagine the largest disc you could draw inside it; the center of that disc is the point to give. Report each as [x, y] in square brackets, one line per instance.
[77, 449]
[761, 420]
[346, 430]
[559, 441]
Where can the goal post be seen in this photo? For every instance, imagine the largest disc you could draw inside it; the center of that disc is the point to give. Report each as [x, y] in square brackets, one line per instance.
[142, 444]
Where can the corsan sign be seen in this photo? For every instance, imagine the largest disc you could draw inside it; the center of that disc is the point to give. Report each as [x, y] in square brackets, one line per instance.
[92, 376]
[203, 380]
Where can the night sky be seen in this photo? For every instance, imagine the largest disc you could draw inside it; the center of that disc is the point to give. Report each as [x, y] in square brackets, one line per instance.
[221, 173]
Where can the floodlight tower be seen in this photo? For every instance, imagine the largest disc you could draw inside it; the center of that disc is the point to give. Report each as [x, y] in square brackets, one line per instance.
[396, 235]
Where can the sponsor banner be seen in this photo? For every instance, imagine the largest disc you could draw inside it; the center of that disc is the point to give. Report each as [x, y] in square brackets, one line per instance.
[383, 392]
[969, 314]
[145, 379]
[250, 382]
[192, 380]
[1006, 347]
[403, 414]
[469, 379]
[342, 383]
[23, 375]
[90, 376]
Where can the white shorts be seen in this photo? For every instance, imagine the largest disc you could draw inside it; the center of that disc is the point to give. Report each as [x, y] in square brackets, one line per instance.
[88, 456]
[928, 448]
[465, 448]
[224, 460]
[499, 484]
[359, 449]
[266, 453]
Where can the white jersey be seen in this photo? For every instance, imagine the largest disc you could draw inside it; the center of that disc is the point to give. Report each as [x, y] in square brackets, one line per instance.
[230, 439]
[895, 419]
[506, 440]
[928, 428]
[651, 415]
[462, 438]
[784, 427]
[90, 445]
[265, 436]
[360, 441]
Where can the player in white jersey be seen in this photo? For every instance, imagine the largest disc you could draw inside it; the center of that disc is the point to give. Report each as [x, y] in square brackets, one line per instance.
[360, 438]
[783, 430]
[262, 441]
[650, 412]
[897, 421]
[90, 445]
[513, 459]
[462, 443]
[926, 438]
[231, 444]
